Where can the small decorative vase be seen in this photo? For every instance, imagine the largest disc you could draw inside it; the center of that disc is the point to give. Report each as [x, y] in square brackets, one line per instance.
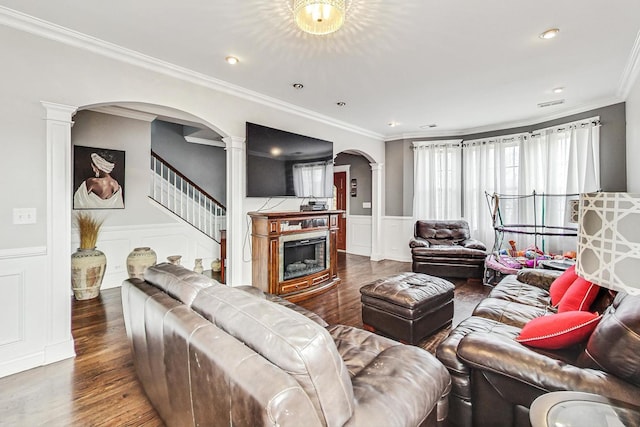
[139, 260]
[216, 265]
[174, 259]
[87, 272]
[198, 266]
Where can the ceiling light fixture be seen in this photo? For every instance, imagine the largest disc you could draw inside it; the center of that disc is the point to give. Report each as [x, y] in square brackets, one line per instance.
[319, 16]
[341, 103]
[298, 85]
[393, 124]
[232, 60]
[558, 90]
[550, 33]
[432, 125]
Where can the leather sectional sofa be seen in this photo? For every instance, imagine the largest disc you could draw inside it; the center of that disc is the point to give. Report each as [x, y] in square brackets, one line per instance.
[212, 355]
[495, 378]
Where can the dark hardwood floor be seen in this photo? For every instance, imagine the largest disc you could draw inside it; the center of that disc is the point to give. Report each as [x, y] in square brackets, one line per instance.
[99, 386]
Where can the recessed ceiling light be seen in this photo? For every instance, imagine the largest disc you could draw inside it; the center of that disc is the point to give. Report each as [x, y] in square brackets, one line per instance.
[276, 151]
[432, 125]
[232, 60]
[298, 85]
[393, 124]
[550, 33]
[341, 103]
[558, 90]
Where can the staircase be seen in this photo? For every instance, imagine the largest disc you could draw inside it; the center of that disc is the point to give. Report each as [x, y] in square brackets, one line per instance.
[181, 196]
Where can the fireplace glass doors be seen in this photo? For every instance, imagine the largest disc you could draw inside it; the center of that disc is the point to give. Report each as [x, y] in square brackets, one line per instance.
[301, 255]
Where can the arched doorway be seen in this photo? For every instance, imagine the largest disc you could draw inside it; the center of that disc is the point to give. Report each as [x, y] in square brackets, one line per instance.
[59, 120]
[360, 174]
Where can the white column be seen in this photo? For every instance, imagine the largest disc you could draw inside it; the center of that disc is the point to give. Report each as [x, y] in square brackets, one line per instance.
[235, 216]
[377, 206]
[59, 343]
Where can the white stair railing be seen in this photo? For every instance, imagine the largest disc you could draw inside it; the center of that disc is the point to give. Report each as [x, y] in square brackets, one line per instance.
[185, 199]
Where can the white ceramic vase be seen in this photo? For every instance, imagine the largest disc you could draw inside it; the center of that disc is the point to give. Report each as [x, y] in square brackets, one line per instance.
[139, 260]
[87, 272]
[198, 268]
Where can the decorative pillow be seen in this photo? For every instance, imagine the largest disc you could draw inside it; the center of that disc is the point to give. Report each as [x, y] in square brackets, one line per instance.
[561, 284]
[559, 330]
[579, 297]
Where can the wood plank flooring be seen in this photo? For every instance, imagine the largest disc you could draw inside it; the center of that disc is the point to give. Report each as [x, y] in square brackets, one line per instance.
[99, 386]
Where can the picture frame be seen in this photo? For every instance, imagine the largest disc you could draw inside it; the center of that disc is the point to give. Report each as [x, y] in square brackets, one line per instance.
[98, 178]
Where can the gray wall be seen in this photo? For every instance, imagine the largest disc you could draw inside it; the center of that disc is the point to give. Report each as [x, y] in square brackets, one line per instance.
[613, 172]
[359, 169]
[203, 164]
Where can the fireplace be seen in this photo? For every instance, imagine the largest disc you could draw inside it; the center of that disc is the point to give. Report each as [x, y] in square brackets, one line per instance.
[303, 255]
[294, 254]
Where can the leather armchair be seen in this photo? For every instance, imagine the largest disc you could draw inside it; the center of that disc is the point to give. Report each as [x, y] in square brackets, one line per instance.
[446, 249]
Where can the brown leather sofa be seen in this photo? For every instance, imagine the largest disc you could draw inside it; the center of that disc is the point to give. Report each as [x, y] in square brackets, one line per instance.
[446, 249]
[212, 355]
[495, 379]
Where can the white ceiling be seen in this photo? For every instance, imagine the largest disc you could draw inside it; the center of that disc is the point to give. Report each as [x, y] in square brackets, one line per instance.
[463, 65]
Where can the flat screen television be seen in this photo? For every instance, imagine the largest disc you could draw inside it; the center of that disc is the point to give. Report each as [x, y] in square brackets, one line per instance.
[285, 164]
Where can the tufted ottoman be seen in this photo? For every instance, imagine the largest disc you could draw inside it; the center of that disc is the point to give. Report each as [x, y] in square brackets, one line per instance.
[408, 306]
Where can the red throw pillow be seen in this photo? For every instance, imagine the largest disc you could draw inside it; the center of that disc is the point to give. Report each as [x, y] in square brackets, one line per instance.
[559, 330]
[579, 296]
[561, 284]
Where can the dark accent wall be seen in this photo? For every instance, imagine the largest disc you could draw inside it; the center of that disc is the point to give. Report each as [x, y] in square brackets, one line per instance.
[359, 169]
[613, 172]
[205, 165]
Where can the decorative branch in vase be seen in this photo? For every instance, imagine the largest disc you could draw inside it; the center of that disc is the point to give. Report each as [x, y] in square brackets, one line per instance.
[87, 264]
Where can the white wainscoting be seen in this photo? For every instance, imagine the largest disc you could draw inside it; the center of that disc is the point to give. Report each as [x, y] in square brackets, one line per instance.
[165, 239]
[359, 234]
[397, 231]
[23, 309]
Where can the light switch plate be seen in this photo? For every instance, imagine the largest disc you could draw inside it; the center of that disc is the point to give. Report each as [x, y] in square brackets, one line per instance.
[24, 215]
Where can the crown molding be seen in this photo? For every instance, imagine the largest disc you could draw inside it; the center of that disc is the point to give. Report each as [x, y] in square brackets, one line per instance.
[125, 112]
[48, 30]
[604, 102]
[631, 71]
[205, 141]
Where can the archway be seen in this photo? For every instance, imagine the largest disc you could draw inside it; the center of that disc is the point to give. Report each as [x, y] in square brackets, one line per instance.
[364, 201]
[59, 120]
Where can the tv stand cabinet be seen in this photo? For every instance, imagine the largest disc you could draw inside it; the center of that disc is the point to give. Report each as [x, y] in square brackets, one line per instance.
[270, 231]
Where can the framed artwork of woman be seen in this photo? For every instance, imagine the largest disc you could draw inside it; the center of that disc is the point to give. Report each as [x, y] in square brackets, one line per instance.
[98, 178]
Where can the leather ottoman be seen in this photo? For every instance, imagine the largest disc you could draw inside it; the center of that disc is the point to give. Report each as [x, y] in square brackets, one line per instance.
[408, 306]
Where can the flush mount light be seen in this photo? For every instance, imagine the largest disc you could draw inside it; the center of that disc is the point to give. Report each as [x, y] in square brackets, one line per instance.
[550, 33]
[393, 124]
[298, 85]
[319, 16]
[558, 90]
[341, 103]
[276, 151]
[232, 60]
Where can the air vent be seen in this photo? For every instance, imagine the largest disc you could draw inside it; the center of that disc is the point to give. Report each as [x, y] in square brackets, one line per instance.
[551, 103]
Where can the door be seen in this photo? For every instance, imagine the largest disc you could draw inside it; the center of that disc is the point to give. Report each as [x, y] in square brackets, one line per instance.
[340, 196]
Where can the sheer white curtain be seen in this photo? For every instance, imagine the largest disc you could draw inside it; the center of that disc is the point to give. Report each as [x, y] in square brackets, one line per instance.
[437, 179]
[313, 179]
[491, 166]
[557, 161]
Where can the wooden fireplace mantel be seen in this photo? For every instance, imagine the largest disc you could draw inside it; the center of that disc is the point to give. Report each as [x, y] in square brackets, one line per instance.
[268, 232]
